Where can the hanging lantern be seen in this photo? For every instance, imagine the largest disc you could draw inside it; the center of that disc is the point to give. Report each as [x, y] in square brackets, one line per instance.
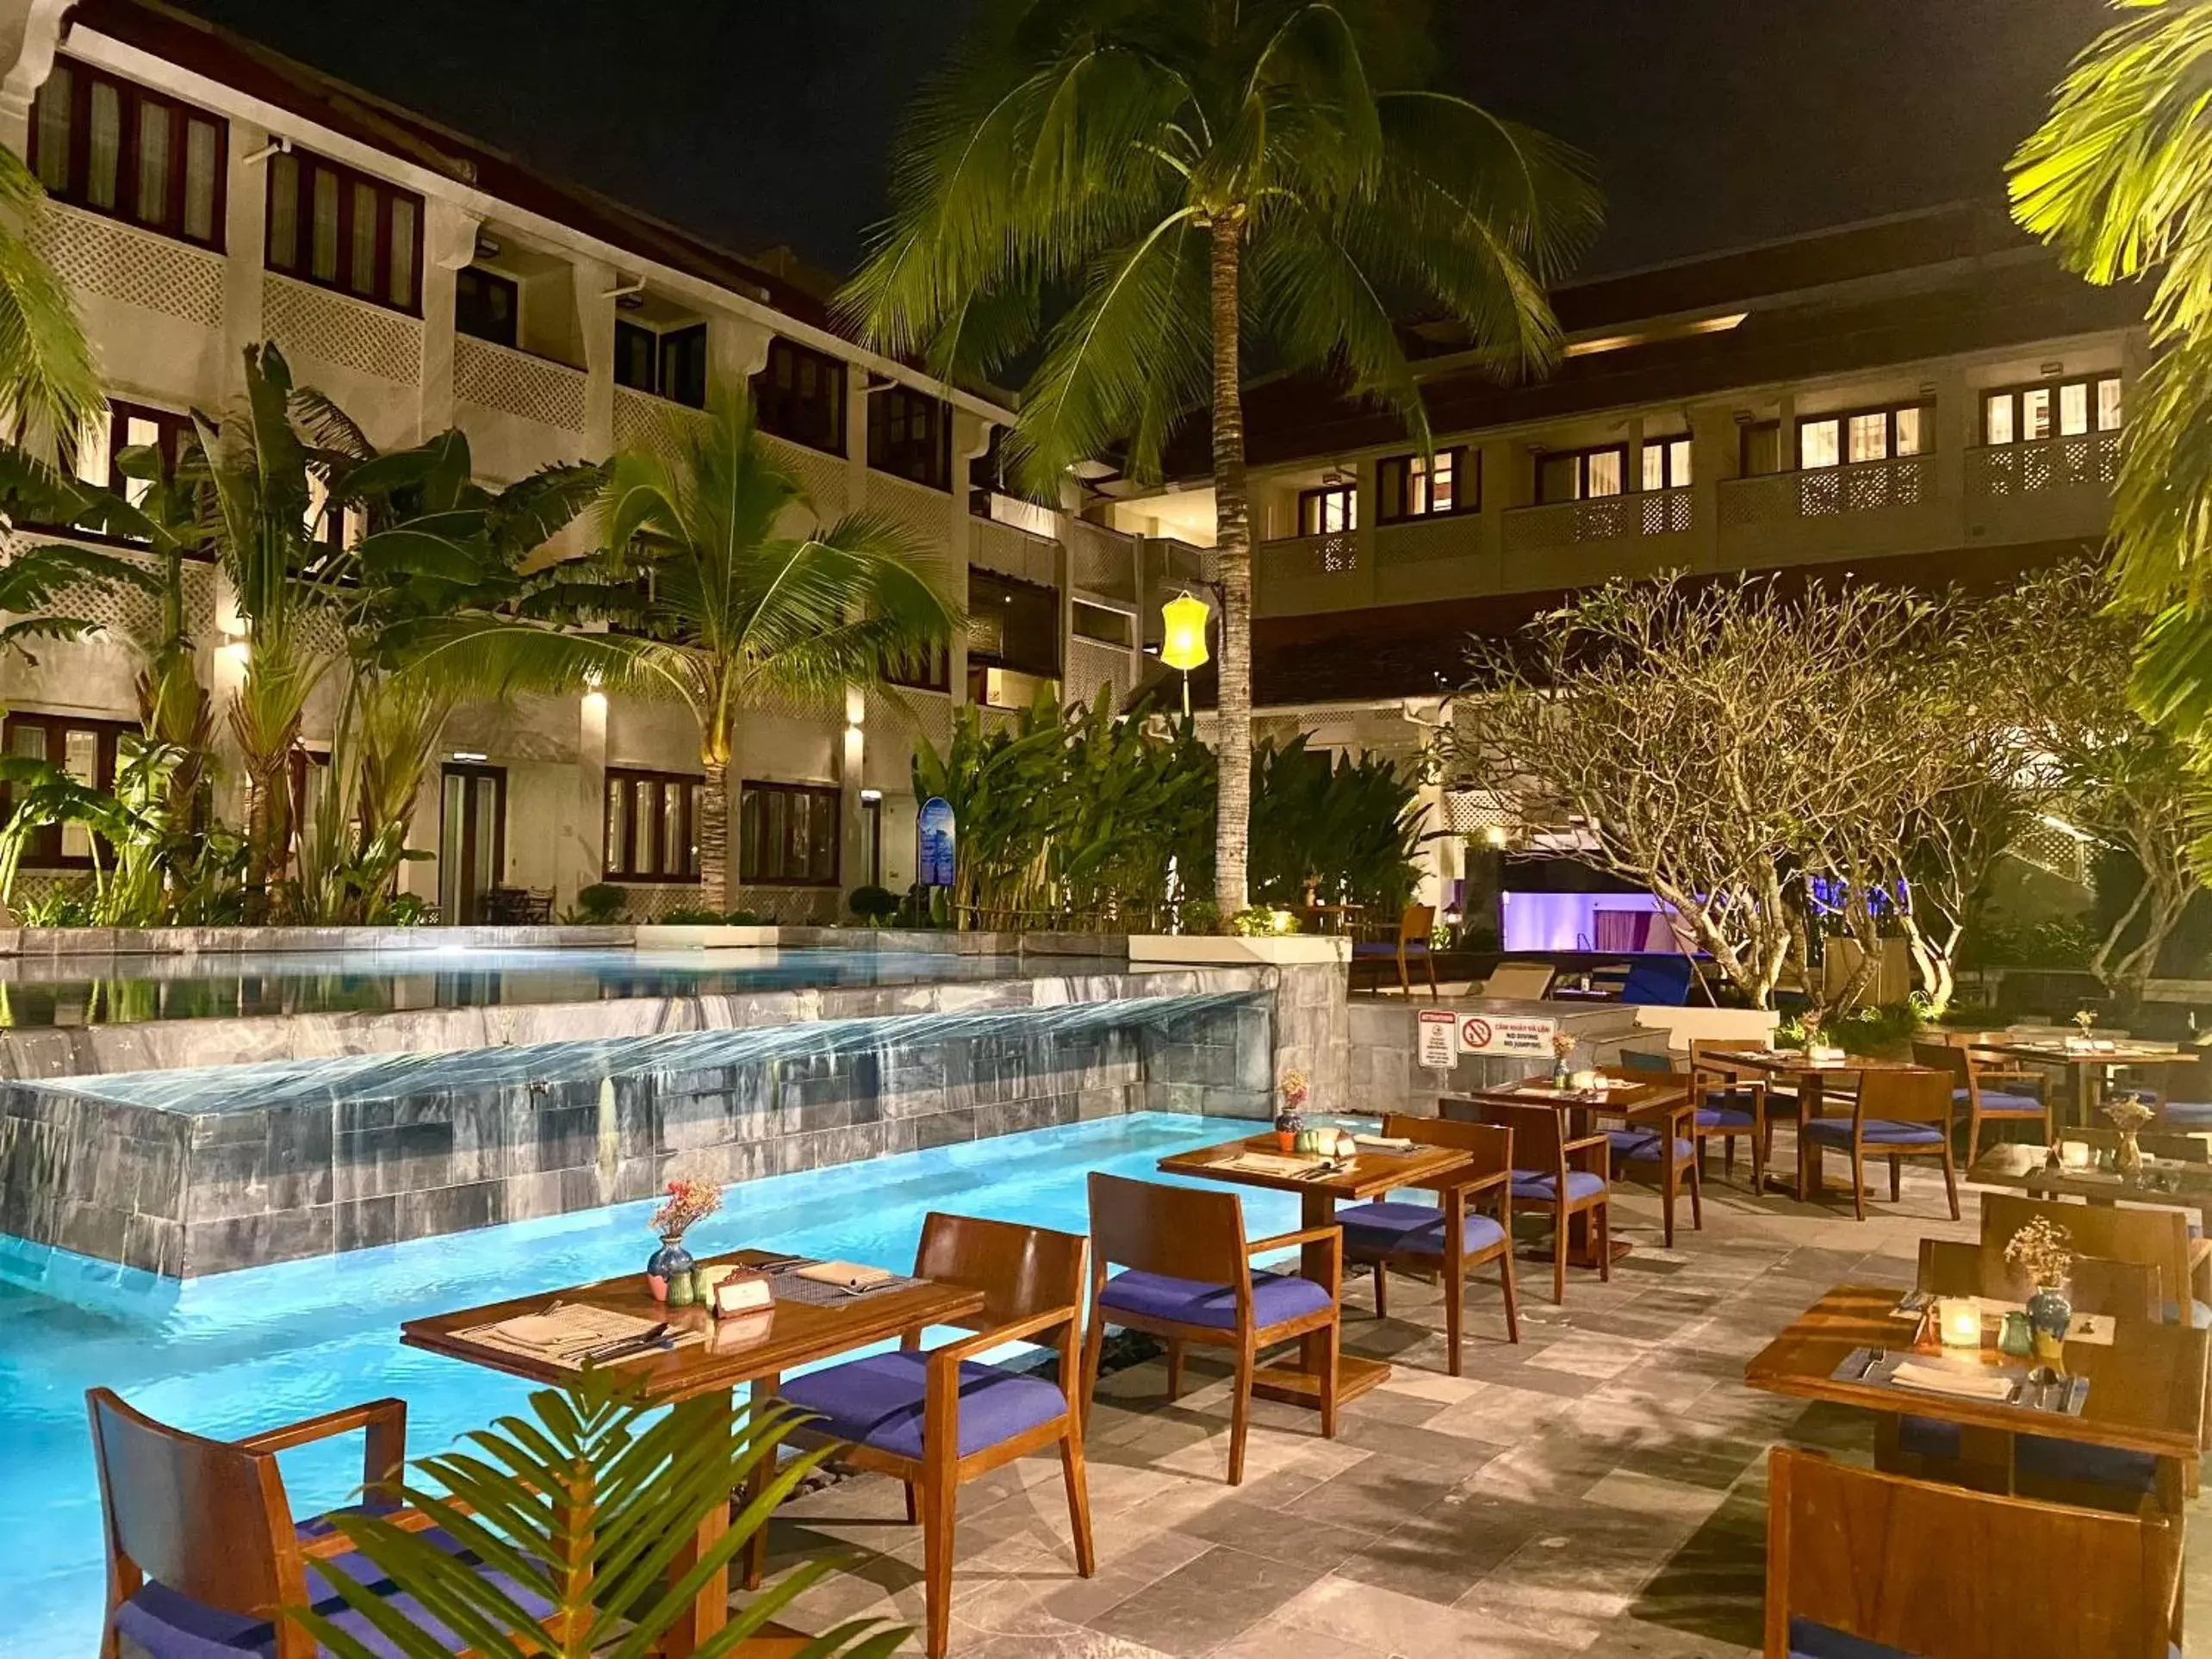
[1184, 646]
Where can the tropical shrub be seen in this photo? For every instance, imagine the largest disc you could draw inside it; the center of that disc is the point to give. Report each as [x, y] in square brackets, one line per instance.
[599, 905]
[1351, 828]
[690, 915]
[873, 905]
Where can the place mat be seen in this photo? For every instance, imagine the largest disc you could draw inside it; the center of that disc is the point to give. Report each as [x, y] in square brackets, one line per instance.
[1924, 1374]
[565, 1333]
[785, 1284]
[2094, 1329]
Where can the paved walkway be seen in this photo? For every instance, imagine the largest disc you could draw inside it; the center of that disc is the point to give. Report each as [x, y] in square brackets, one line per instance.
[1599, 1489]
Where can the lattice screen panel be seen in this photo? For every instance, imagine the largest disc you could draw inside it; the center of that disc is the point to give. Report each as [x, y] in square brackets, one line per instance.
[495, 378]
[1016, 553]
[927, 512]
[643, 421]
[99, 256]
[789, 906]
[124, 612]
[822, 477]
[351, 333]
[1105, 562]
[1092, 666]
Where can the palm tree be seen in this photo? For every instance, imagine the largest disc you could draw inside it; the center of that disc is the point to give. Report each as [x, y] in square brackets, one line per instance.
[49, 389]
[720, 604]
[2119, 179]
[1196, 186]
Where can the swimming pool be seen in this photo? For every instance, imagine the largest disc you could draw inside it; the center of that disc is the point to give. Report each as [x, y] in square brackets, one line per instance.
[226, 1355]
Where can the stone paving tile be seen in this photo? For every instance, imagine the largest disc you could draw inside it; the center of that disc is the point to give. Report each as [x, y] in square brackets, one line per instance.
[1598, 1489]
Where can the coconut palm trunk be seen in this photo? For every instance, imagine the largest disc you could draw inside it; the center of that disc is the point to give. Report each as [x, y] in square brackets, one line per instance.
[714, 833]
[1232, 555]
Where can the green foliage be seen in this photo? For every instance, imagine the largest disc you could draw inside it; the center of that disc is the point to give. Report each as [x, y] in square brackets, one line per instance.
[588, 1502]
[873, 905]
[747, 919]
[690, 915]
[49, 385]
[1262, 921]
[1352, 828]
[132, 848]
[599, 905]
[2051, 941]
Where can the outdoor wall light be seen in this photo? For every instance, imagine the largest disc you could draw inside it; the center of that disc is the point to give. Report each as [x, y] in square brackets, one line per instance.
[596, 703]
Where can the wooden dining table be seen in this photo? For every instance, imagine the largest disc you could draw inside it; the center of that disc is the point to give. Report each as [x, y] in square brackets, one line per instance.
[1370, 1174]
[1810, 1077]
[2146, 1393]
[2089, 1067]
[700, 1376]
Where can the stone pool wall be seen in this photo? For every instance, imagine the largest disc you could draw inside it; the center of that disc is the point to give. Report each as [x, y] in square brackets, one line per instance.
[177, 1190]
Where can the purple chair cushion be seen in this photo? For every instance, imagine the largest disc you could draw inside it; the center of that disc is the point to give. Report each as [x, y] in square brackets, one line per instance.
[1274, 1297]
[1645, 1144]
[2133, 1472]
[1879, 1130]
[878, 1402]
[1369, 949]
[1412, 1229]
[168, 1625]
[1722, 1118]
[1544, 1189]
[1998, 1102]
[2190, 1114]
[1811, 1641]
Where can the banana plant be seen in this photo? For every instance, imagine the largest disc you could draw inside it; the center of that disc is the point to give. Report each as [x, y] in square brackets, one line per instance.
[585, 1504]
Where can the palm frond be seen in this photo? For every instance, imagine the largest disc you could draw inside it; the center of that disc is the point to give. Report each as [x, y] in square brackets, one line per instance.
[49, 386]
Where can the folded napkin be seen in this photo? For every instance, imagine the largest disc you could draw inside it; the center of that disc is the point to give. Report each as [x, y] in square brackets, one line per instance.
[1935, 1379]
[1385, 1143]
[537, 1331]
[851, 1275]
[1270, 1164]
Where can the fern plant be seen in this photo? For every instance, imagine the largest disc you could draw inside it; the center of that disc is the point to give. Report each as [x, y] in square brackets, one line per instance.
[585, 1504]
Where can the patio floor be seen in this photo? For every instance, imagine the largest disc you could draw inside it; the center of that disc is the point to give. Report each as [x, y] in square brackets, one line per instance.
[1599, 1489]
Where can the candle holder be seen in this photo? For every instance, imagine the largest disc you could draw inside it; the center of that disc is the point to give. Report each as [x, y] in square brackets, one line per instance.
[1958, 1322]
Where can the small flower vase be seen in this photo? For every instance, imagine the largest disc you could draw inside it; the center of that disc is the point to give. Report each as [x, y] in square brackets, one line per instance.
[669, 1273]
[2130, 1160]
[2049, 1316]
[1288, 1124]
[1560, 1077]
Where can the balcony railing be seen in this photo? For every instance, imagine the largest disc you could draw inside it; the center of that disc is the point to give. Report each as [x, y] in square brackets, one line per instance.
[2086, 460]
[1600, 519]
[1102, 561]
[1904, 481]
[1336, 554]
[1427, 541]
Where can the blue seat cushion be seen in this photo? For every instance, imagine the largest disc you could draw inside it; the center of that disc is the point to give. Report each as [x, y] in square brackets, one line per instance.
[1274, 1297]
[1928, 1437]
[168, 1625]
[2200, 1314]
[1385, 1228]
[1646, 1144]
[878, 1402]
[1725, 1117]
[1811, 1641]
[1366, 948]
[2193, 1113]
[1544, 1189]
[1878, 1131]
[2133, 1472]
[1998, 1102]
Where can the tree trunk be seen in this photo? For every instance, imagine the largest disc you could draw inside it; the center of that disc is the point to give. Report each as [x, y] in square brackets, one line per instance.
[268, 833]
[1232, 559]
[714, 837]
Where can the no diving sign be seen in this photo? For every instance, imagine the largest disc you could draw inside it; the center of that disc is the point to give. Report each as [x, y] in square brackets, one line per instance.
[1437, 1030]
[1491, 1033]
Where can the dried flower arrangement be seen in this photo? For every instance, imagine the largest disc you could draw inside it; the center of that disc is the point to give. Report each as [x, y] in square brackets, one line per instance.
[2044, 1250]
[688, 1203]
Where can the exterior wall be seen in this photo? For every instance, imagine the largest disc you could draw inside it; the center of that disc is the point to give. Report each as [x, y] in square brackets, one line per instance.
[169, 322]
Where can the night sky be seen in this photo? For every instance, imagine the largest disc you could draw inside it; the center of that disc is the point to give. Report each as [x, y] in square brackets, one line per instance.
[1713, 122]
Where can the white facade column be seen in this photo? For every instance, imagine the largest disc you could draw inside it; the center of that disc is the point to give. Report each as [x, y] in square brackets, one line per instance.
[246, 229]
[1712, 431]
[737, 350]
[30, 31]
[1786, 442]
[1632, 468]
[449, 243]
[594, 285]
[583, 855]
[970, 438]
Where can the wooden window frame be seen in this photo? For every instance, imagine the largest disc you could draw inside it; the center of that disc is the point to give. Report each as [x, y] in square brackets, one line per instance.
[931, 672]
[306, 164]
[492, 279]
[753, 788]
[44, 850]
[2017, 393]
[924, 458]
[1844, 418]
[782, 410]
[131, 99]
[1664, 447]
[1748, 433]
[658, 360]
[1581, 459]
[1310, 502]
[1466, 486]
[628, 779]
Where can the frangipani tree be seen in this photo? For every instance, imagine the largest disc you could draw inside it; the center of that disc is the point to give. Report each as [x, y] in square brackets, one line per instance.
[1148, 198]
[730, 591]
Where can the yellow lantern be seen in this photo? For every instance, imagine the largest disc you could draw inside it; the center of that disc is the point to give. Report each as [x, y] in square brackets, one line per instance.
[1184, 646]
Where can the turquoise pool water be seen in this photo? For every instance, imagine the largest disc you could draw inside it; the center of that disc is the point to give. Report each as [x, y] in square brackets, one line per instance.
[227, 1355]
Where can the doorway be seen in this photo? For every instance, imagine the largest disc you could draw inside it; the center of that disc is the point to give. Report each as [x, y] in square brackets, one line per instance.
[471, 840]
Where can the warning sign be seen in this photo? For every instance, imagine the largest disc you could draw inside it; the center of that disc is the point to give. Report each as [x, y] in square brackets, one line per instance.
[1438, 1030]
[1491, 1034]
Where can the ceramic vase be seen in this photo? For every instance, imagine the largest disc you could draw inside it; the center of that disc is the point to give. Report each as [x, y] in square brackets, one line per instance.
[1287, 1123]
[669, 1273]
[2049, 1316]
[2130, 1160]
[1559, 1074]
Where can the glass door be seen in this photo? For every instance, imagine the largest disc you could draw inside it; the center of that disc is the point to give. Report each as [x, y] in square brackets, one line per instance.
[471, 840]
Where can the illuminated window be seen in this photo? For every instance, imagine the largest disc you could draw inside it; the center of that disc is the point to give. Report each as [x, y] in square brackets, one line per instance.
[652, 825]
[787, 835]
[120, 150]
[1863, 435]
[1581, 475]
[1410, 487]
[1325, 510]
[2064, 409]
[1666, 463]
[336, 228]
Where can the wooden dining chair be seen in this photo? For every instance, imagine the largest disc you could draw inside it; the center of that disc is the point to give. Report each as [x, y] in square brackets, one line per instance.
[2153, 1238]
[1188, 1278]
[1447, 1237]
[938, 1420]
[1957, 1267]
[1733, 1103]
[1970, 1087]
[1897, 1114]
[1562, 1178]
[204, 1551]
[1414, 941]
[1857, 1557]
[1658, 1143]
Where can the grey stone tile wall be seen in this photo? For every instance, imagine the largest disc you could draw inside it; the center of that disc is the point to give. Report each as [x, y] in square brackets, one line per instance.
[1384, 1066]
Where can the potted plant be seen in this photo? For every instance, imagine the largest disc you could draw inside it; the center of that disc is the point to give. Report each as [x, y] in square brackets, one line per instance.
[2044, 1251]
[669, 1271]
[634, 1483]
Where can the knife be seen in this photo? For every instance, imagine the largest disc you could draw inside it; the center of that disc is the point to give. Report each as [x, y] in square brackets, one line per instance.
[623, 1347]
